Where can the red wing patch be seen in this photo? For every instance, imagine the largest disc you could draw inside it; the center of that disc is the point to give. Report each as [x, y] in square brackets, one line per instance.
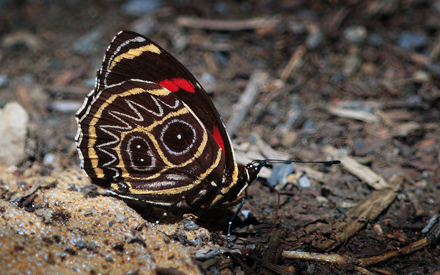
[218, 137]
[174, 84]
[184, 84]
[169, 85]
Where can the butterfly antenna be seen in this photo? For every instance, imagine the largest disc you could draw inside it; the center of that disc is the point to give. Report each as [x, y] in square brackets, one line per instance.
[267, 162]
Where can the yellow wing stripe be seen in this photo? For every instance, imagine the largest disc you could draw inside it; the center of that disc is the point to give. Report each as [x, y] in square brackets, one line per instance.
[133, 53]
[180, 189]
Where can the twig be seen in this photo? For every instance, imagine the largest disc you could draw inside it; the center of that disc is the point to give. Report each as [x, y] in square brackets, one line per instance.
[222, 25]
[419, 210]
[293, 62]
[267, 150]
[431, 231]
[247, 99]
[353, 114]
[369, 210]
[293, 115]
[362, 172]
[247, 269]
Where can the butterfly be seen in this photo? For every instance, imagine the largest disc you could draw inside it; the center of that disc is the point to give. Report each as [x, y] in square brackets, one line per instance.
[148, 131]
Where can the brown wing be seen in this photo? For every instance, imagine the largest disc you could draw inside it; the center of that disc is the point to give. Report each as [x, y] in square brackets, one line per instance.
[140, 138]
[132, 56]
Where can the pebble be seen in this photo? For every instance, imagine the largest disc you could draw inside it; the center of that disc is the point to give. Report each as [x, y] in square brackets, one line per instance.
[279, 174]
[140, 7]
[90, 246]
[421, 76]
[375, 39]
[65, 106]
[221, 58]
[358, 144]
[90, 82]
[314, 38]
[189, 224]
[352, 61]
[80, 244]
[4, 4]
[245, 213]
[309, 125]
[13, 128]
[49, 159]
[120, 217]
[355, 34]
[304, 182]
[87, 44]
[4, 80]
[221, 7]
[411, 41]
[208, 82]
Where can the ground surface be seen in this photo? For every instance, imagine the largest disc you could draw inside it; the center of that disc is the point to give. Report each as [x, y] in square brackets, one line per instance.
[336, 79]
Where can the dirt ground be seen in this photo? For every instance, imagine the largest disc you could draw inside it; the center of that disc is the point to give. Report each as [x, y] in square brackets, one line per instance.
[351, 80]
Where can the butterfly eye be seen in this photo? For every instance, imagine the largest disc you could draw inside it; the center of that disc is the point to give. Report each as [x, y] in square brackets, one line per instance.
[140, 155]
[178, 137]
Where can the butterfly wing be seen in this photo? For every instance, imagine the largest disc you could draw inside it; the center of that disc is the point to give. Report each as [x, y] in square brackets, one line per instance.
[132, 56]
[142, 140]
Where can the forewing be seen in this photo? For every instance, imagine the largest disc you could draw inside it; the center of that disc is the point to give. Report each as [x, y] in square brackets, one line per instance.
[139, 137]
[132, 56]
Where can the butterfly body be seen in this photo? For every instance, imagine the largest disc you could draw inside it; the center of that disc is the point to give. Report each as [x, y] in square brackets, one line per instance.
[148, 131]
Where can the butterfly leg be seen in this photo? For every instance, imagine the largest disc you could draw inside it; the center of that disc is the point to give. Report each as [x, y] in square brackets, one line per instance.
[232, 219]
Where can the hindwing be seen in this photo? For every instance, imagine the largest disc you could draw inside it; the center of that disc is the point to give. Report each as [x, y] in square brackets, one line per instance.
[144, 140]
[132, 56]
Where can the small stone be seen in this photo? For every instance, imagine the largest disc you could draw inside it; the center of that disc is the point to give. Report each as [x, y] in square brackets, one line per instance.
[133, 271]
[314, 38]
[65, 106]
[4, 80]
[352, 61]
[89, 82]
[120, 218]
[309, 125]
[289, 139]
[189, 224]
[221, 58]
[304, 182]
[80, 244]
[87, 44]
[90, 246]
[221, 7]
[49, 159]
[13, 128]
[421, 76]
[109, 259]
[70, 250]
[245, 213]
[45, 213]
[410, 41]
[208, 82]
[375, 39]
[355, 34]
[88, 213]
[140, 7]
[279, 174]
